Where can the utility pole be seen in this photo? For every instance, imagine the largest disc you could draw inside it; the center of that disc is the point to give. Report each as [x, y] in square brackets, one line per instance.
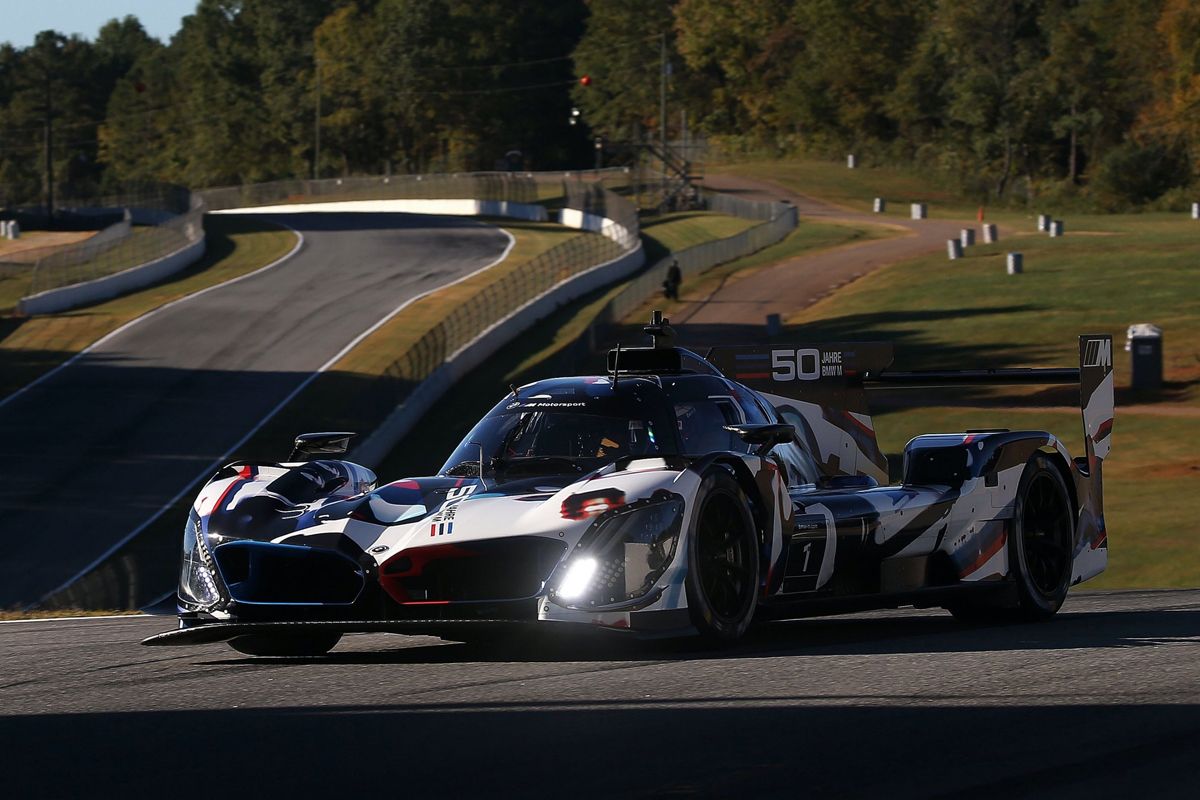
[49, 106]
[317, 127]
[662, 107]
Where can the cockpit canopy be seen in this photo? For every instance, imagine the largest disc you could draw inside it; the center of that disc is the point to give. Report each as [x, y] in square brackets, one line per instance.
[580, 424]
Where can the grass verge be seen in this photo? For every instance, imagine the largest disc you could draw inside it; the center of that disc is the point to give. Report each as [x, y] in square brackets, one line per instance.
[31, 346]
[668, 233]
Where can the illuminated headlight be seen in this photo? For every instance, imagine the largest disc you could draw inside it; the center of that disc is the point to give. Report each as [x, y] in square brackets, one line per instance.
[197, 579]
[578, 578]
[624, 554]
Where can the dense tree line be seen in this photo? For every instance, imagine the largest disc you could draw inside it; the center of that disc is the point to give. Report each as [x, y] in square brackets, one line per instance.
[1099, 98]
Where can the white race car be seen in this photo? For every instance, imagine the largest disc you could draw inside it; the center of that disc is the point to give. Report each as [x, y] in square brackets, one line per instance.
[673, 495]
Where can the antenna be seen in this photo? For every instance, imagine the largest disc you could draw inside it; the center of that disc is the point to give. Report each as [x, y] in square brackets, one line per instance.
[514, 391]
[662, 335]
[616, 367]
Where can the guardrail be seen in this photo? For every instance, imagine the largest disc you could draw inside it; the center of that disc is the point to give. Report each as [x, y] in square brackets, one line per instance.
[175, 225]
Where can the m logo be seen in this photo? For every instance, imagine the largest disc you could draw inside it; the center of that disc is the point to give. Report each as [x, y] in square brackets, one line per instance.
[1098, 353]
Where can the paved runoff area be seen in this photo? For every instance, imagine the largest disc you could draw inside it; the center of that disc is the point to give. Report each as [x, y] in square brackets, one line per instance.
[1104, 701]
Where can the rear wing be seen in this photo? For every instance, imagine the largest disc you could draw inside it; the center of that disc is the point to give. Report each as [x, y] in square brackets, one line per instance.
[825, 387]
[1094, 376]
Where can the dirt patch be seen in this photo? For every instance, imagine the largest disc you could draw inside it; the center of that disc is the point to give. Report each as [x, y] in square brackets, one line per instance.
[1179, 469]
[12, 249]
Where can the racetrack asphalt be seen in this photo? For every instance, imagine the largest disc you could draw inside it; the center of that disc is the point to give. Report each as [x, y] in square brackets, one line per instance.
[97, 448]
[1103, 701]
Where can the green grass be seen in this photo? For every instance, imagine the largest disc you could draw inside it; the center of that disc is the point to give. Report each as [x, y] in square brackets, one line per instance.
[31, 346]
[1150, 481]
[668, 233]
[970, 312]
[855, 189]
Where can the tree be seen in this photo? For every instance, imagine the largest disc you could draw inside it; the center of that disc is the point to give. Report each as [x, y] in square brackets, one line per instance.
[621, 52]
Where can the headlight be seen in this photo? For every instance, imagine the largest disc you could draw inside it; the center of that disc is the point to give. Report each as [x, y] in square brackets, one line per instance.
[197, 578]
[623, 555]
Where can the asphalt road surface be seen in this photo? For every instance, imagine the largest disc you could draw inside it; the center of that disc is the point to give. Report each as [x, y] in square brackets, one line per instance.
[89, 454]
[1102, 702]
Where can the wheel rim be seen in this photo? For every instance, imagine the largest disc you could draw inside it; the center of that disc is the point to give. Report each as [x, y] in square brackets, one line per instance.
[724, 558]
[1045, 534]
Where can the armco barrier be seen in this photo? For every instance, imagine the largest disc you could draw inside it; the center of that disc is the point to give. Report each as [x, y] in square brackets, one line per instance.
[108, 265]
[110, 286]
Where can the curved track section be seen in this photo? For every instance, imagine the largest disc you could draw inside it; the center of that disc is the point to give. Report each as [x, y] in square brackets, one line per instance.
[1104, 701]
[99, 447]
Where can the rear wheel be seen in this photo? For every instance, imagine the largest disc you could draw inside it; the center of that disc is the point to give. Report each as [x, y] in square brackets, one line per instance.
[1040, 547]
[294, 645]
[722, 579]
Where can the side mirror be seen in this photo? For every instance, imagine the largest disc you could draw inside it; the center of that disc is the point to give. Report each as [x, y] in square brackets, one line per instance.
[766, 435]
[330, 443]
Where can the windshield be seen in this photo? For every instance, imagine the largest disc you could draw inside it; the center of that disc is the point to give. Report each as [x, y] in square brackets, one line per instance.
[566, 428]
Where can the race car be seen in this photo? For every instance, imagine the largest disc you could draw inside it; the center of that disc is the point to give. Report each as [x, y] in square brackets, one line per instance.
[673, 495]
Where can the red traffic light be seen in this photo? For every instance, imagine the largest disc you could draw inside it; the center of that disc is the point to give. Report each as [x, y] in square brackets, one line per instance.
[585, 80]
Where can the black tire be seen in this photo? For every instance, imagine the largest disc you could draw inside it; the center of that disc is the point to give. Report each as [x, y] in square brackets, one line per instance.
[1040, 549]
[293, 645]
[723, 555]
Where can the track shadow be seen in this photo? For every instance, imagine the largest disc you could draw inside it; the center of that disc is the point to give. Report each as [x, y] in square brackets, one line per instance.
[743, 746]
[933, 632]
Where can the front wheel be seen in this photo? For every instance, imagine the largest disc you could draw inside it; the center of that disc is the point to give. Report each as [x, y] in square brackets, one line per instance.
[722, 578]
[293, 645]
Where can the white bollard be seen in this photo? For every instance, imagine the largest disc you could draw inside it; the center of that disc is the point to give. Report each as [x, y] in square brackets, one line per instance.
[14, 229]
[954, 249]
[1056, 228]
[851, 161]
[880, 205]
[4, 229]
[1195, 210]
[1043, 223]
[967, 237]
[991, 234]
[1016, 263]
[919, 211]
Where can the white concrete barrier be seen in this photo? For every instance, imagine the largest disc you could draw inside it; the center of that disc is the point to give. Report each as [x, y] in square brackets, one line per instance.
[954, 249]
[1015, 263]
[450, 208]
[879, 206]
[1043, 223]
[402, 419]
[574, 218]
[1056, 228]
[919, 211]
[967, 237]
[1195, 210]
[991, 234]
[118, 283]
